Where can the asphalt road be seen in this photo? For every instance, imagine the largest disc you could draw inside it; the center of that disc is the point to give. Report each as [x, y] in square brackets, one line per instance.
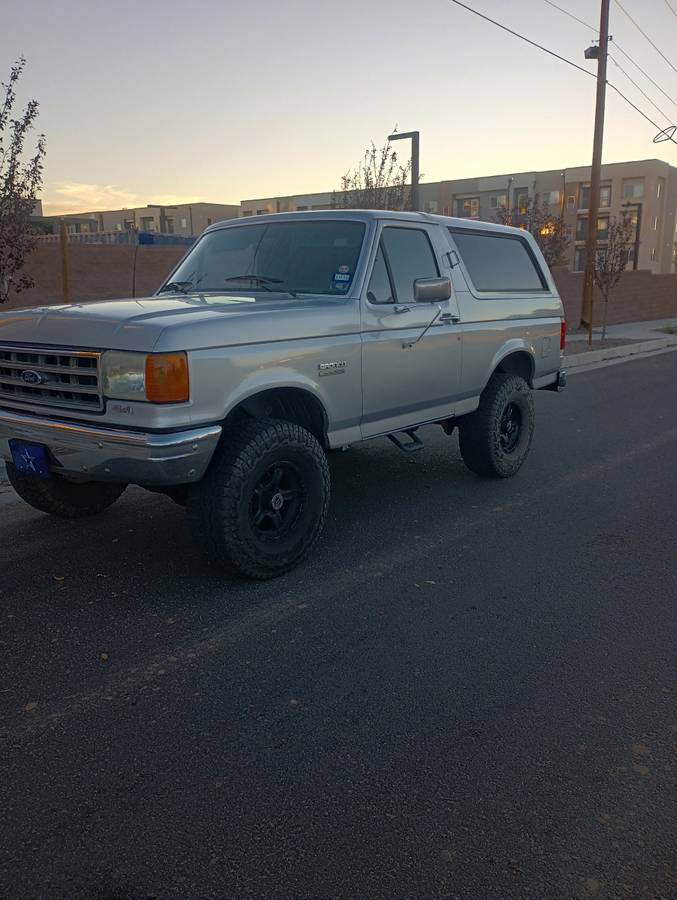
[468, 692]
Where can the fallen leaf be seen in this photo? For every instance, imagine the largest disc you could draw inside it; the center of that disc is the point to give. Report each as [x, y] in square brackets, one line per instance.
[59, 578]
[592, 886]
[31, 707]
[640, 770]
[640, 749]
[103, 656]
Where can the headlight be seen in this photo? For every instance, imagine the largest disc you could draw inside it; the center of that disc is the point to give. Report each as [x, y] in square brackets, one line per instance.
[150, 377]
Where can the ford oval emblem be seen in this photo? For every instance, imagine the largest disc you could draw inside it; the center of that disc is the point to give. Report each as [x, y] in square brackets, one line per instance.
[30, 376]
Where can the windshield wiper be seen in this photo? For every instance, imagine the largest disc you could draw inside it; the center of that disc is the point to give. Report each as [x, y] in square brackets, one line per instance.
[183, 287]
[261, 281]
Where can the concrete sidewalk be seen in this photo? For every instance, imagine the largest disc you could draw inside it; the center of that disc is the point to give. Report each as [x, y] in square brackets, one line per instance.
[636, 331]
[646, 337]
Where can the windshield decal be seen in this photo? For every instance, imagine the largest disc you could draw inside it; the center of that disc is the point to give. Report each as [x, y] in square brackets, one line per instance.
[341, 280]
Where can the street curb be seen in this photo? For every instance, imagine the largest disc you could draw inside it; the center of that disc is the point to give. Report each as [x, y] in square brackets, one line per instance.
[592, 356]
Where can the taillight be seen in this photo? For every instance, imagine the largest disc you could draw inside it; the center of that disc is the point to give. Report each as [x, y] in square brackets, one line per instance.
[562, 335]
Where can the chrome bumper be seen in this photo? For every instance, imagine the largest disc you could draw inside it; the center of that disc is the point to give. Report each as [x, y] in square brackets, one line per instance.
[92, 453]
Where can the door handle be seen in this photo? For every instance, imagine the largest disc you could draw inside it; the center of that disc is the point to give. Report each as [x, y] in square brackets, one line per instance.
[447, 318]
[401, 309]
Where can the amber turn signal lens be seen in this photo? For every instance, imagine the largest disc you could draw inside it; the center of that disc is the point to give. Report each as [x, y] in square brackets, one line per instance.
[167, 378]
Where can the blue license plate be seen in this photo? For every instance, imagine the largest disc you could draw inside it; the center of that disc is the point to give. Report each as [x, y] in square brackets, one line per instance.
[32, 459]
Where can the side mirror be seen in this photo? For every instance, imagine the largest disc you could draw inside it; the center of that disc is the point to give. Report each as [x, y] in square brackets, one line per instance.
[430, 290]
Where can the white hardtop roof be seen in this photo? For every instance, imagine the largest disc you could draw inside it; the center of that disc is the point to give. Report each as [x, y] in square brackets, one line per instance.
[366, 215]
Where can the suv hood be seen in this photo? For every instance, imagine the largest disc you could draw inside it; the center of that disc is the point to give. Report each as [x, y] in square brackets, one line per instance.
[177, 322]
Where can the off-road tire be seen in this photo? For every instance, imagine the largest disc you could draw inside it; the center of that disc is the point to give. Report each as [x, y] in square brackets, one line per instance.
[482, 443]
[224, 505]
[66, 499]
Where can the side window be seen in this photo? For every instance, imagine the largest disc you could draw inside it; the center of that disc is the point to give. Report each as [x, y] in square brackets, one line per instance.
[409, 256]
[380, 289]
[498, 263]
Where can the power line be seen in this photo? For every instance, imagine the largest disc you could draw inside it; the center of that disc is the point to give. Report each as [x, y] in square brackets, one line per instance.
[655, 125]
[522, 38]
[667, 3]
[645, 74]
[572, 16]
[643, 93]
[620, 50]
[642, 32]
[563, 59]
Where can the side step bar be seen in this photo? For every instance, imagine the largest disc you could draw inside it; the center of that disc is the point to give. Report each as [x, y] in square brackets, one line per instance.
[413, 444]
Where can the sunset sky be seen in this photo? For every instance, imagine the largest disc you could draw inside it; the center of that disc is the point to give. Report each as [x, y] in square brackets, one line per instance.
[161, 101]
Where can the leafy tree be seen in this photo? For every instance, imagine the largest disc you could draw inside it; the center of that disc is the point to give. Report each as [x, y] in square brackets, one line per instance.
[20, 182]
[378, 182]
[537, 218]
[611, 260]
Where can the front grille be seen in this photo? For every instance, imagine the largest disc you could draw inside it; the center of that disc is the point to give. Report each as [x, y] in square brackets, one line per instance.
[64, 378]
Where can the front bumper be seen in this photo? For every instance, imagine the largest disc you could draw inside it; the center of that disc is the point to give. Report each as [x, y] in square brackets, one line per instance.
[93, 453]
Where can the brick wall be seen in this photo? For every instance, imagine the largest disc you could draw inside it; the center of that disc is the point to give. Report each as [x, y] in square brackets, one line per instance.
[639, 295]
[97, 272]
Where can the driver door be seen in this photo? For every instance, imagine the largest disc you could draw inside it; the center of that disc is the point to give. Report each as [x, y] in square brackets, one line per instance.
[409, 374]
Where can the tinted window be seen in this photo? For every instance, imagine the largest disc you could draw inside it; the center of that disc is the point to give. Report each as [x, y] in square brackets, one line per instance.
[409, 256]
[309, 257]
[497, 263]
[380, 290]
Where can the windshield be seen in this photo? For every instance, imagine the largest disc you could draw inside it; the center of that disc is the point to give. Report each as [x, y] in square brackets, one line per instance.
[310, 257]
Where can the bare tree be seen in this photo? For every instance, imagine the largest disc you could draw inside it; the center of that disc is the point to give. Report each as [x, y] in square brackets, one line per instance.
[378, 182]
[547, 228]
[611, 260]
[19, 185]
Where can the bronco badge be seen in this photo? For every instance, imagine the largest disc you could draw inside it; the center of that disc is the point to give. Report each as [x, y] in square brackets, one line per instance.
[333, 368]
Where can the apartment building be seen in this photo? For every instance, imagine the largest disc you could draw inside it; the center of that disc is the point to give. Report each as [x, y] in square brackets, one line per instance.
[645, 189]
[187, 219]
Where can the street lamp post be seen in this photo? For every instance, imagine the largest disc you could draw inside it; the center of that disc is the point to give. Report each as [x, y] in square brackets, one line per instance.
[415, 140]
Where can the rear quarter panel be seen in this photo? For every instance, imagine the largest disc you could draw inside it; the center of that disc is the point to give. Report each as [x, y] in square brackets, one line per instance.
[496, 324]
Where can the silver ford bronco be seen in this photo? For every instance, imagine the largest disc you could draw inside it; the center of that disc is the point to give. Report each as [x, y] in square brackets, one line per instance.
[274, 340]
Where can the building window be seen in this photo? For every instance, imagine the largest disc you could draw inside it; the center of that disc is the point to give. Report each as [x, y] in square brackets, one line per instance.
[301, 208]
[247, 212]
[633, 189]
[261, 212]
[169, 224]
[118, 226]
[147, 223]
[500, 201]
[184, 223]
[522, 200]
[468, 208]
[602, 228]
[551, 198]
[604, 196]
[430, 206]
[571, 202]
[579, 260]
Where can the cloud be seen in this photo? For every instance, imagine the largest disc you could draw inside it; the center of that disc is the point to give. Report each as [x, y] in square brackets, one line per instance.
[82, 197]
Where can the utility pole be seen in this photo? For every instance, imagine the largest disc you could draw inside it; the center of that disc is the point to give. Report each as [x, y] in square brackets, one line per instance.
[415, 141]
[595, 173]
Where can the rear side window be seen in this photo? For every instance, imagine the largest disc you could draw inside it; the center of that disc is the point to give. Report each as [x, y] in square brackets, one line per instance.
[498, 263]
